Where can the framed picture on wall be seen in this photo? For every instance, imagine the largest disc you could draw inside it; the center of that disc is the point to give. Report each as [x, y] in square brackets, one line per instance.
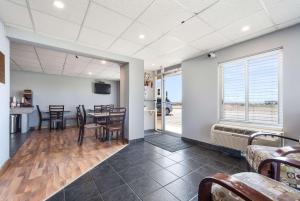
[2, 68]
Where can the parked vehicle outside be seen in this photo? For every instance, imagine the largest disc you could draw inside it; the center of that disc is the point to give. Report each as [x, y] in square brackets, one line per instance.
[168, 104]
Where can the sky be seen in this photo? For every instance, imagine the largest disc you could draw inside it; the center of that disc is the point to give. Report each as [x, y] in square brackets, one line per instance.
[173, 87]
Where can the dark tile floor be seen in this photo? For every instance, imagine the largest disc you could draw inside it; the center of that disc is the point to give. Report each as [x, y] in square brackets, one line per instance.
[16, 141]
[142, 171]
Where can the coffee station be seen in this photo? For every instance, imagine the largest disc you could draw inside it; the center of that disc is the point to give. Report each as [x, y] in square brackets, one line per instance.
[20, 108]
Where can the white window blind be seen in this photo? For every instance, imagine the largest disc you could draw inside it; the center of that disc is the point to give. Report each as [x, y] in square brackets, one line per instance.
[251, 89]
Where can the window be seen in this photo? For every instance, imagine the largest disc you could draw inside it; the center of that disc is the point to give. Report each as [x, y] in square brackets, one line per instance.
[251, 89]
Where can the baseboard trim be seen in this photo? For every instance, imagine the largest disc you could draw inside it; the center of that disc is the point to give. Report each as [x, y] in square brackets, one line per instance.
[149, 131]
[136, 140]
[223, 150]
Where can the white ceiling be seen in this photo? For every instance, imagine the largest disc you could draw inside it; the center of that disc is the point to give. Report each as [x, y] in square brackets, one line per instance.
[35, 59]
[115, 25]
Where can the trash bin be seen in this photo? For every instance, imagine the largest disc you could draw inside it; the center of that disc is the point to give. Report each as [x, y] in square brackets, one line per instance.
[15, 123]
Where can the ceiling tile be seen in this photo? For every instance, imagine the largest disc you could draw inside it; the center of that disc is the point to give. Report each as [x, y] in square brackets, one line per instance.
[51, 59]
[124, 47]
[76, 65]
[283, 10]
[54, 27]
[184, 53]
[95, 38]
[53, 63]
[130, 8]
[137, 29]
[226, 12]
[164, 15]
[26, 62]
[257, 22]
[166, 44]
[210, 42]
[172, 58]
[21, 2]
[106, 20]
[255, 34]
[191, 30]
[20, 51]
[196, 5]
[15, 15]
[73, 11]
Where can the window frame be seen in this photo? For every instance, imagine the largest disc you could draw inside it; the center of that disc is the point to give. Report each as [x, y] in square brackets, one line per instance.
[280, 94]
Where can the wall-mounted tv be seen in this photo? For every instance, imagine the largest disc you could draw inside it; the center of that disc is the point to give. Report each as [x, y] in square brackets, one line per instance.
[102, 88]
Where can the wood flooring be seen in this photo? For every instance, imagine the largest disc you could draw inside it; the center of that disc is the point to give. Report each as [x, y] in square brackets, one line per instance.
[47, 162]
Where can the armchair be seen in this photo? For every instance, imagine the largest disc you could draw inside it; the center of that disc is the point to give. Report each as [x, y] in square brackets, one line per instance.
[249, 186]
[264, 159]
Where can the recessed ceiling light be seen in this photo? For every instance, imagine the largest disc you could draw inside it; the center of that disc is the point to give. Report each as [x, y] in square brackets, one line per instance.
[103, 62]
[90, 73]
[141, 36]
[59, 4]
[245, 28]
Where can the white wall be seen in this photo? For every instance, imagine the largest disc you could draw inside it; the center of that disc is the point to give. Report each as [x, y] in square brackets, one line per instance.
[55, 89]
[4, 100]
[200, 87]
[132, 90]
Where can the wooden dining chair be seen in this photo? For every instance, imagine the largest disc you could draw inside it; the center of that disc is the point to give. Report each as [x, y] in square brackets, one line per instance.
[82, 117]
[115, 123]
[56, 115]
[41, 117]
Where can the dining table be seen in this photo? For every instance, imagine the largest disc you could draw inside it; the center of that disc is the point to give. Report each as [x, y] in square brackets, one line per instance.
[103, 115]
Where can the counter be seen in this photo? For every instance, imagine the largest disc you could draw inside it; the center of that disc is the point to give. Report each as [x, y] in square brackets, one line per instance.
[24, 112]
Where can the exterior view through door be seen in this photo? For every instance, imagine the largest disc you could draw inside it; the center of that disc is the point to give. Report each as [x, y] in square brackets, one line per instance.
[169, 101]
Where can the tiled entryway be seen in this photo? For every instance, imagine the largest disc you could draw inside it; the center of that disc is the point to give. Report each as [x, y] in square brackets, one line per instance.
[142, 171]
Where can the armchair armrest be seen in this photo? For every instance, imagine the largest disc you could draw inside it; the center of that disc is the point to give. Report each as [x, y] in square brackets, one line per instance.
[232, 184]
[279, 160]
[255, 135]
[288, 150]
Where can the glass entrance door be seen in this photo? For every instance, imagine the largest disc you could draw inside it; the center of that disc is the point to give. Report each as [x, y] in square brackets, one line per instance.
[173, 103]
[169, 101]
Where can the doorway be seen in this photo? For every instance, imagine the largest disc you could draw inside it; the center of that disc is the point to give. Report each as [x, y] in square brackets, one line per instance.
[169, 100]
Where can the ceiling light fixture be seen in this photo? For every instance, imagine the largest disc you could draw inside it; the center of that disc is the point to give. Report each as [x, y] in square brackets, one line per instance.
[103, 62]
[153, 64]
[59, 4]
[90, 73]
[245, 28]
[141, 36]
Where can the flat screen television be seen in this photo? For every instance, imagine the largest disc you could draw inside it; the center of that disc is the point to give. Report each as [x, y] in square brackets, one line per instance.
[102, 88]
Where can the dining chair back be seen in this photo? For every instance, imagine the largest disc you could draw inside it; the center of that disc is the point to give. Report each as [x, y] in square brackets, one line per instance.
[56, 115]
[80, 116]
[39, 112]
[117, 116]
[98, 108]
[41, 118]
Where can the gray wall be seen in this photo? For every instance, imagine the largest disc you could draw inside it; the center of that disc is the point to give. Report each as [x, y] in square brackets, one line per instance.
[4, 100]
[55, 89]
[200, 83]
